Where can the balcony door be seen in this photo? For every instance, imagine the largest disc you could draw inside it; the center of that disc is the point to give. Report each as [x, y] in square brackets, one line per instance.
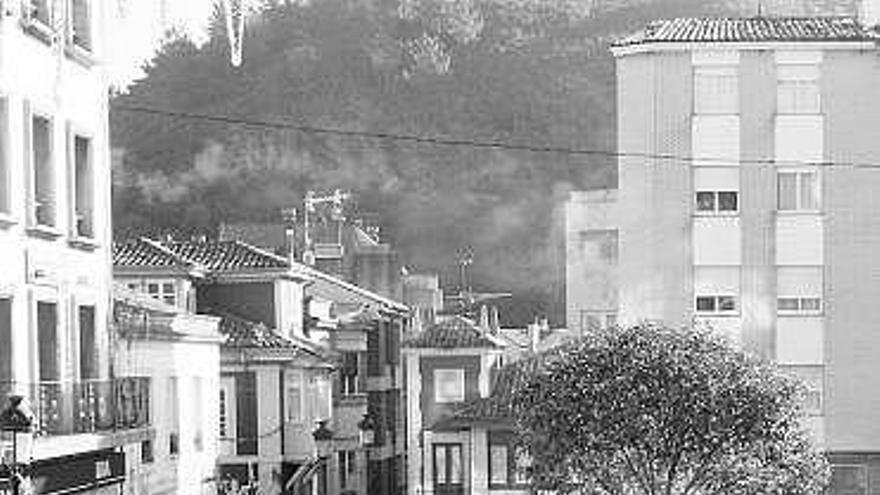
[448, 476]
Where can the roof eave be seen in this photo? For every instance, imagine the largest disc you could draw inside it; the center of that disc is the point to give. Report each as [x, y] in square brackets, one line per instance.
[624, 48]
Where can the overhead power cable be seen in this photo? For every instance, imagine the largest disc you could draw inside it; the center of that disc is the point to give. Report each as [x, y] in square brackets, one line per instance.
[461, 142]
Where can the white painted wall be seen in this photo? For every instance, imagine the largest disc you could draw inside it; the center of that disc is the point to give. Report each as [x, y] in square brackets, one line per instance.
[717, 241]
[190, 471]
[799, 240]
[799, 340]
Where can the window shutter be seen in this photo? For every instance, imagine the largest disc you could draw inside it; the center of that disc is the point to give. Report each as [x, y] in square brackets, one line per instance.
[70, 168]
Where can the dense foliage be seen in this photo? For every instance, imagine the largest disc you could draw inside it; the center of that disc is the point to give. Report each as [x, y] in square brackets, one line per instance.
[651, 410]
[535, 72]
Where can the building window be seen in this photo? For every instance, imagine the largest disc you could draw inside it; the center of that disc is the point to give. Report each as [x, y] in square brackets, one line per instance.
[347, 468]
[39, 11]
[83, 193]
[173, 443]
[809, 305]
[80, 25]
[499, 465]
[447, 465]
[223, 414]
[797, 89]
[797, 190]
[47, 335]
[5, 342]
[163, 291]
[42, 171]
[294, 404]
[716, 304]
[849, 480]
[717, 201]
[716, 90]
[88, 351]
[349, 374]
[448, 385]
[147, 452]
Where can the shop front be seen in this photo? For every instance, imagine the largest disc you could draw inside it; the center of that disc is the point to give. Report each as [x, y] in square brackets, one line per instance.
[100, 473]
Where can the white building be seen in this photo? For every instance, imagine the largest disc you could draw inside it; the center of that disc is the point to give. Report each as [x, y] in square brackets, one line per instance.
[55, 236]
[180, 354]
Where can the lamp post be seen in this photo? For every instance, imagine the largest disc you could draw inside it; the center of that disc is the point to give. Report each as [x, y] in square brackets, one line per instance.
[323, 444]
[18, 420]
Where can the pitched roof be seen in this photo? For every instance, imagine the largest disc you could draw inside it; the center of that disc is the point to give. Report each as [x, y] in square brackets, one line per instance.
[142, 252]
[498, 405]
[751, 29]
[454, 332]
[227, 255]
[337, 290]
[241, 333]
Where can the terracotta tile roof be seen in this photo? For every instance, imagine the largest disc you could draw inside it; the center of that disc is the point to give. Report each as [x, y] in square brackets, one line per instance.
[751, 29]
[142, 252]
[454, 332]
[497, 406]
[241, 333]
[227, 255]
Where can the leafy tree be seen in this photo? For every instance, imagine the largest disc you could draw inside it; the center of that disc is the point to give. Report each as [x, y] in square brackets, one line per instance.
[650, 410]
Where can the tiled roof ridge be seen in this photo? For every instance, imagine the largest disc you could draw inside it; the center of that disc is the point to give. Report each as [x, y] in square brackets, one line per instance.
[454, 332]
[354, 288]
[144, 251]
[262, 252]
[761, 28]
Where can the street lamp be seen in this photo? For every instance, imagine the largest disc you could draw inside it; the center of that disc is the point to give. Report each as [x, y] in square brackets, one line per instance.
[368, 431]
[323, 444]
[18, 420]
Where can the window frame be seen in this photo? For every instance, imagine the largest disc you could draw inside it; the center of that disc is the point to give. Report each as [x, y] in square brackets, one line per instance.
[712, 105]
[72, 44]
[798, 174]
[448, 449]
[716, 203]
[787, 78]
[862, 471]
[716, 305]
[799, 309]
[31, 114]
[456, 374]
[74, 133]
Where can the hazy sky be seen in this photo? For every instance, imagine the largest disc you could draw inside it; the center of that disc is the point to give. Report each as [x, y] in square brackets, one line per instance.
[140, 24]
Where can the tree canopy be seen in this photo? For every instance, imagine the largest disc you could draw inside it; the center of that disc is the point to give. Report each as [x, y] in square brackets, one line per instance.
[651, 410]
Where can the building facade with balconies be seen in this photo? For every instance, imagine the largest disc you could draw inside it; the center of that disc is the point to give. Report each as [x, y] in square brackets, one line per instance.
[747, 174]
[55, 280]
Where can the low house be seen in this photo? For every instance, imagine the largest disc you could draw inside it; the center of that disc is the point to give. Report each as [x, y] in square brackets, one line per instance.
[172, 359]
[448, 364]
[274, 381]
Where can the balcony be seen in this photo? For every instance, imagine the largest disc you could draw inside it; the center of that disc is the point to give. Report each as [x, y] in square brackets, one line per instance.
[90, 406]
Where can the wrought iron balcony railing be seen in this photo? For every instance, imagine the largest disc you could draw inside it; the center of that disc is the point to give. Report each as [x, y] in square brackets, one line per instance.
[64, 408]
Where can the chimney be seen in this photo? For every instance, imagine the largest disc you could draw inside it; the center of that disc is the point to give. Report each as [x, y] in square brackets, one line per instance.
[484, 318]
[534, 331]
[869, 12]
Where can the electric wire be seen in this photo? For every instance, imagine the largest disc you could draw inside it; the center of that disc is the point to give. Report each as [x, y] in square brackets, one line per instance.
[475, 144]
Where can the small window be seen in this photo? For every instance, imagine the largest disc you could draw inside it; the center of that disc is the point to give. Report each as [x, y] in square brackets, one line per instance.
[147, 452]
[42, 171]
[347, 469]
[716, 90]
[717, 201]
[498, 465]
[799, 304]
[294, 404]
[81, 28]
[349, 373]
[797, 89]
[83, 192]
[798, 190]
[38, 10]
[716, 304]
[449, 385]
[174, 443]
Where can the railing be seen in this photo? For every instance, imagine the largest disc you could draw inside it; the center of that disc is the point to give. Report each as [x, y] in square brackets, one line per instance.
[64, 408]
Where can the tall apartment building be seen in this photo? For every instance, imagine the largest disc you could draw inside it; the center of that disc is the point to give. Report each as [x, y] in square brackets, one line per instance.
[748, 173]
[55, 273]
